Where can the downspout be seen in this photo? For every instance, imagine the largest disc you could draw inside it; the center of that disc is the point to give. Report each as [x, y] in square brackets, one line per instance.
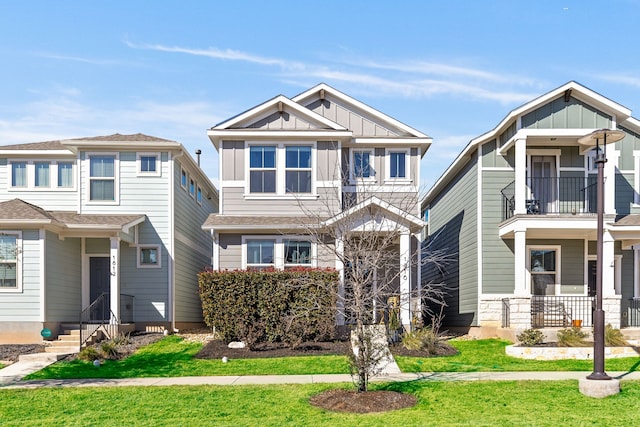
[171, 291]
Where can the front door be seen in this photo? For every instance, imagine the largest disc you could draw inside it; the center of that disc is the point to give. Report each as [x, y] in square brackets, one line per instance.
[543, 184]
[99, 283]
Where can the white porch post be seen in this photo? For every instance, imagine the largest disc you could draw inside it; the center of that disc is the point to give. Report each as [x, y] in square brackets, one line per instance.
[417, 308]
[521, 287]
[405, 279]
[215, 260]
[340, 268]
[608, 263]
[521, 176]
[114, 288]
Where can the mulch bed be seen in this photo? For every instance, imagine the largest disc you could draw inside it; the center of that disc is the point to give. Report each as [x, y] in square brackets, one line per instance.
[217, 349]
[11, 352]
[340, 400]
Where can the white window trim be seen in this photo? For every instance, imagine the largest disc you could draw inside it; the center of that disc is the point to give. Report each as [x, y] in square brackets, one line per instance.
[116, 178]
[139, 252]
[185, 173]
[31, 178]
[309, 169]
[558, 284]
[353, 179]
[407, 165]
[199, 195]
[18, 288]
[278, 250]
[192, 184]
[158, 171]
[281, 162]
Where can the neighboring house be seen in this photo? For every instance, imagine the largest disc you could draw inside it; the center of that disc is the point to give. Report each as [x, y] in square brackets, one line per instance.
[517, 208]
[117, 215]
[321, 157]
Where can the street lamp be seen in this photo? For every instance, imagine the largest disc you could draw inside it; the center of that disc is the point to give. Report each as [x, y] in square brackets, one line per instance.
[596, 139]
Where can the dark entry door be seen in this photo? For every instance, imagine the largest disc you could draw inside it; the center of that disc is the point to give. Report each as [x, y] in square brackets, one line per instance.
[592, 277]
[99, 283]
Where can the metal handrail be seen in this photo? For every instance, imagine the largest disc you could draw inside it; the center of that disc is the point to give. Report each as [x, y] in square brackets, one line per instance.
[561, 311]
[96, 318]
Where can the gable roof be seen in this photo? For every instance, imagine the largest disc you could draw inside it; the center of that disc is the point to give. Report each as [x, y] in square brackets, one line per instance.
[17, 212]
[411, 221]
[572, 88]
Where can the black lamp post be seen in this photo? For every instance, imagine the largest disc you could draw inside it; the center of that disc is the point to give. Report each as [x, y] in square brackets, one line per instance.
[596, 139]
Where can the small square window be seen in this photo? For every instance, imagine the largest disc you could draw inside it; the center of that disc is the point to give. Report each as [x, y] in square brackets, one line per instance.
[149, 257]
[148, 164]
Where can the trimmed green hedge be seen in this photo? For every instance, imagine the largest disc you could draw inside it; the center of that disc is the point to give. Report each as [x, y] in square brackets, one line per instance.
[289, 306]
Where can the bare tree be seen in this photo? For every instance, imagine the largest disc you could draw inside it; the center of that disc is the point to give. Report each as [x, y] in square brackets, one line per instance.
[373, 239]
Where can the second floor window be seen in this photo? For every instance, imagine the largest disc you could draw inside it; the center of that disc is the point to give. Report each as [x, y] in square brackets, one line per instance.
[362, 164]
[262, 169]
[397, 164]
[298, 169]
[102, 178]
[19, 174]
[148, 164]
[65, 174]
[42, 174]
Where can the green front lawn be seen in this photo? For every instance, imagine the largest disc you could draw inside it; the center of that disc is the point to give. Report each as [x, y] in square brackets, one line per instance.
[489, 355]
[173, 357]
[553, 403]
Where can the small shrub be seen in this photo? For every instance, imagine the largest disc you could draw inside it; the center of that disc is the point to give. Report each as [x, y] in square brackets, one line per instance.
[89, 354]
[572, 337]
[530, 337]
[613, 337]
[109, 349]
[121, 339]
[422, 339]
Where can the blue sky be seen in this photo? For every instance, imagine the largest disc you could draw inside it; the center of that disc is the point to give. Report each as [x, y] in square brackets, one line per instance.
[451, 69]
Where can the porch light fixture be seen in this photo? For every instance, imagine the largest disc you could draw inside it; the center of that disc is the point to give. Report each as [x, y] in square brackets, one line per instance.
[596, 139]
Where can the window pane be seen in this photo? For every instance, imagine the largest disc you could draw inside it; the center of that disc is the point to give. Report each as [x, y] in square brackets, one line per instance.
[19, 174]
[199, 195]
[544, 284]
[192, 187]
[8, 247]
[397, 161]
[543, 260]
[298, 181]
[260, 251]
[149, 256]
[298, 157]
[102, 189]
[8, 275]
[262, 181]
[183, 179]
[147, 163]
[65, 174]
[361, 164]
[297, 252]
[42, 174]
[102, 166]
[262, 157]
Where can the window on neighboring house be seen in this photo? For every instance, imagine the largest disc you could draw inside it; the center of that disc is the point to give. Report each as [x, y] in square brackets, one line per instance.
[102, 178]
[192, 188]
[149, 256]
[297, 252]
[544, 274]
[42, 174]
[397, 164]
[183, 179]
[18, 174]
[362, 164]
[260, 253]
[298, 169]
[262, 169]
[199, 195]
[65, 174]
[9, 251]
[148, 164]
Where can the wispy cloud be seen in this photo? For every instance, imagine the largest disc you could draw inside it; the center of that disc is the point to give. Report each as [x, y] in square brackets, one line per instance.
[92, 61]
[408, 80]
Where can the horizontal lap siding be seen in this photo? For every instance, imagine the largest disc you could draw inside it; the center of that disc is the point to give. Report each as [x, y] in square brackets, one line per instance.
[234, 202]
[230, 251]
[497, 254]
[25, 306]
[189, 263]
[64, 279]
[452, 223]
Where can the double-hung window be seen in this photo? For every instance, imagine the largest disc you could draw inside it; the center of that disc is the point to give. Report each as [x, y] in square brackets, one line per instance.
[19, 174]
[65, 174]
[298, 169]
[362, 167]
[297, 252]
[397, 164]
[544, 270]
[102, 178]
[42, 174]
[9, 267]
[260, 253]
[262, 169]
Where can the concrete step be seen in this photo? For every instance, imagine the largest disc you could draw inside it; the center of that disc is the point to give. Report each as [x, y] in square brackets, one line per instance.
[74, 332]
[40, 357]
[68, 338]
[67, 343]
[62, 349]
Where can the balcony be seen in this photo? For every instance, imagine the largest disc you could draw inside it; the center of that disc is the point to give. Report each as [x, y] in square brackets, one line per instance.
[553, 196]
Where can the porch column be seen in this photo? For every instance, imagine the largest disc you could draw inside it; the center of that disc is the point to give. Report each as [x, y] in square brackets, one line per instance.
[215, 260]
[405, 279]
[521, 286]
[340, 269]
[114, 288]
[520, 189]
[608, 263]
[610, 181]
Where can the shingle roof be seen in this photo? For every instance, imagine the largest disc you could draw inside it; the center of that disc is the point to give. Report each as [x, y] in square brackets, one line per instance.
[17, 210]
[629, 220]
[46, 145]
[57, 145]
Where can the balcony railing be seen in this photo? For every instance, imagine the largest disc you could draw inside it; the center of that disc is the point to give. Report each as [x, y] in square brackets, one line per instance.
[561, 311]
[564, 195]
[631, 313]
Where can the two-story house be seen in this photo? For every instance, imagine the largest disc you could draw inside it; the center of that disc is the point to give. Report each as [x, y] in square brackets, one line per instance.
[320, 159]
[108, 226]
[517, 209]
